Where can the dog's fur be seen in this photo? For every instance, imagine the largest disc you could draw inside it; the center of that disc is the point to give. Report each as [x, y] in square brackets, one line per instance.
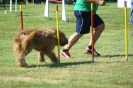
[43, 41]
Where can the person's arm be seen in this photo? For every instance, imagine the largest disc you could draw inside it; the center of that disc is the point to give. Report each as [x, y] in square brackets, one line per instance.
[100, 2]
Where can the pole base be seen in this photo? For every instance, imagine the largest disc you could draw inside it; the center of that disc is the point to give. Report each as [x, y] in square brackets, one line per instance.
[126, 59]
[58, 61]
[93, 60]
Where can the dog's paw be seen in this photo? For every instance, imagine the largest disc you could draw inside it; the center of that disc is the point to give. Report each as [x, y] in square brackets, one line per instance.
[22, 65]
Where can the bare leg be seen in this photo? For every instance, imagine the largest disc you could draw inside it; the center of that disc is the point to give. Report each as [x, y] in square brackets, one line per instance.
[41, 57]
[72, 40]
[97, 33]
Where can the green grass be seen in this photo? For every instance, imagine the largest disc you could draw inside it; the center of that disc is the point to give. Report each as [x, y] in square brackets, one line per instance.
[111, 70]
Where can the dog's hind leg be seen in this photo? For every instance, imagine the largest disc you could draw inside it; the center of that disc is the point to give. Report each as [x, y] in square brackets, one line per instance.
[52, 57]
[21, 56]
[21, 59]
[41, 57]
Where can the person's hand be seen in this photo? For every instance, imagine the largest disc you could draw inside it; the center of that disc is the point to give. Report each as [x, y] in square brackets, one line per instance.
[101, 2]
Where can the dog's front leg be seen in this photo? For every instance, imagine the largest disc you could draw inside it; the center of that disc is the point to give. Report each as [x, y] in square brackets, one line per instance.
[41, 57]
[52, 57]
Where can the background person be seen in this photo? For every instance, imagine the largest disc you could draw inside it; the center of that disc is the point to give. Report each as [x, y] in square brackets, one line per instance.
[131, 16]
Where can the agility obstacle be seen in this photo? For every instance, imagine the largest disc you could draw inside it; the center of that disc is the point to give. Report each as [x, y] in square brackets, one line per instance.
[15, 5]
[121, 4]
[10, 5]
[46, 10]
[125, 4]
[21, 18]
[16, 2]
[92, 29]
[58, 34]
[126, 30]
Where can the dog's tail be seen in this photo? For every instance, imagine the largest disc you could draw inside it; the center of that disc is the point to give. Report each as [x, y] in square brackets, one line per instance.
[20, 46]
[28, 39]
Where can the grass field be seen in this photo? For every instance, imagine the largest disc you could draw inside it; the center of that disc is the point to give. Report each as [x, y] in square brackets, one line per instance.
[110, 70]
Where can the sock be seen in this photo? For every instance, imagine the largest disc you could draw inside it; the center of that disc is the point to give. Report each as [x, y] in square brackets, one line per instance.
[90, 47]
[64, 50]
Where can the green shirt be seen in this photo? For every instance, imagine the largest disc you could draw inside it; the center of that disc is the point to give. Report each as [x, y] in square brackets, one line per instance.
[85, 6]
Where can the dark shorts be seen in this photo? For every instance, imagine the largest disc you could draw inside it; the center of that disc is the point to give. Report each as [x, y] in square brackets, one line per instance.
[83, 21]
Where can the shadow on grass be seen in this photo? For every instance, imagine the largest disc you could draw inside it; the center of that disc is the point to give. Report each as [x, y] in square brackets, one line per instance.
[61, 64]
[123, 55]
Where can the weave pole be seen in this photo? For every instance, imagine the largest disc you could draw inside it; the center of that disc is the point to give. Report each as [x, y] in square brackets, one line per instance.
[46, 10]
[21, 18]
[16, 5]
[92, 28]
[10, 5]
[64, 18]
[58, 35]
[126, 30]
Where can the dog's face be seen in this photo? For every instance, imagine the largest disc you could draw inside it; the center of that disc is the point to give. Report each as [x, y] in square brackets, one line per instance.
[63, 39]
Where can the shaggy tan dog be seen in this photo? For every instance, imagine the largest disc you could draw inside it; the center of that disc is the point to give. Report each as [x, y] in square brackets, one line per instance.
[42, 41]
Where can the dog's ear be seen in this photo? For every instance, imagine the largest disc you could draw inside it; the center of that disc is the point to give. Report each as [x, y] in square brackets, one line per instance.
[54, 33]
[54, 30]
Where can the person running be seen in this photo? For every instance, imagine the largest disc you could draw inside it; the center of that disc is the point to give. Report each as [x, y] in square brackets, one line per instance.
[82, 13]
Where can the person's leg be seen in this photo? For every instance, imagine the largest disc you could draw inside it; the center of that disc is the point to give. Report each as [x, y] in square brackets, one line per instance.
[98, 30]
[82, 27]
[72, 40]
[99, 27]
